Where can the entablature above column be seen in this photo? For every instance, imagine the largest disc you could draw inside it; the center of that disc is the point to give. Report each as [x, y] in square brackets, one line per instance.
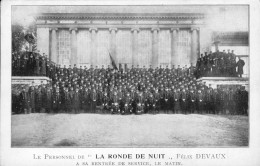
[120, 19]
[118, 27]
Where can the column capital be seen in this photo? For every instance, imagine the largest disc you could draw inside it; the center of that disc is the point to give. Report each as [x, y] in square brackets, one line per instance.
[113, 29]
[53, 29]
[135, 29]
[155, 29]
[93, 29]
[195, 29]
[175, 29]
[73, 29]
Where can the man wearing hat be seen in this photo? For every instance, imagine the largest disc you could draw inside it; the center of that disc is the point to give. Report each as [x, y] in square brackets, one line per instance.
[221, 64]
[200, 101]
[49, 100]
[32, 99]
[31, 64]
[56, 101]
[105, 103]
[49, 68]
[75, 69]
[166, 95]
[244, 100]
[208, 100]
[38, 99]
[44, 98]
[120, 99]
[25, 100]
[146, 102]
[183, 101]
[223, 100]
[216, 101]
[140, 103]
[177, 98]
[43, 65]
[93, 100]
[240, 64]
[24, 64]
[86, 100]
[18, 65]
[233, 64]
[230, 101]
[133, 97]
[127, 109]
[115, 103]
[76, 101]
[192, 101]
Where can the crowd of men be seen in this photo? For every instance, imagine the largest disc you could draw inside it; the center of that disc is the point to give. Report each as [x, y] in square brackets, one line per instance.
[131, 91]
[30, 64]
[219, 64]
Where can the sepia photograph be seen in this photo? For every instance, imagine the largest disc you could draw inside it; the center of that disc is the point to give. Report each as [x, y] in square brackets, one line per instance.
[134, 76]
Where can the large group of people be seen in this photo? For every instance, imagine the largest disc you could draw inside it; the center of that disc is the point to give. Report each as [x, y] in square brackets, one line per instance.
[214, 64]
[219, 64]
[137, 90]
[31, 64]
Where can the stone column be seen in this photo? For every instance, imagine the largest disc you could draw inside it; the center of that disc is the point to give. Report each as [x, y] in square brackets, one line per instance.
[43, 40]
[54, 56]
[74, 55]
[93, 46]
[174, 39]
[113, 44]
[155, 50]
[216, 43]
[135, 46]
[194, 45]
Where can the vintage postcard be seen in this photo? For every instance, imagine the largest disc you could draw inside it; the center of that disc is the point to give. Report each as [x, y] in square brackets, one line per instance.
[130, 83]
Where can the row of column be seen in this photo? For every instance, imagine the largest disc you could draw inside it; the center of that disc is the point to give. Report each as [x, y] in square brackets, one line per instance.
[54, 52]
[155, 45]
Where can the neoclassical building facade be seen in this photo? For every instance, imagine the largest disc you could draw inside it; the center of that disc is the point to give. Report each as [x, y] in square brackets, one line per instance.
[131, 39]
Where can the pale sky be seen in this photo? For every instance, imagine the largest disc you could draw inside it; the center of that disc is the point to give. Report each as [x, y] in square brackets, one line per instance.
[218, 18]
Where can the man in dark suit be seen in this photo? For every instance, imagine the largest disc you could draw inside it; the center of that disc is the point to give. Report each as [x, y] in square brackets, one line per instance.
[25, 100]
[31, 64]
[191, 70]
[56, 100]
[93, 100]
[38, 99]
[183, 101]
[244, 101]
[43, 65]
[49, 100]
[32, 99]
[24, 64]
[76, 101]
[105, 103]
[192, 101]
[240, 65]
[200, 101]
[75, 70]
